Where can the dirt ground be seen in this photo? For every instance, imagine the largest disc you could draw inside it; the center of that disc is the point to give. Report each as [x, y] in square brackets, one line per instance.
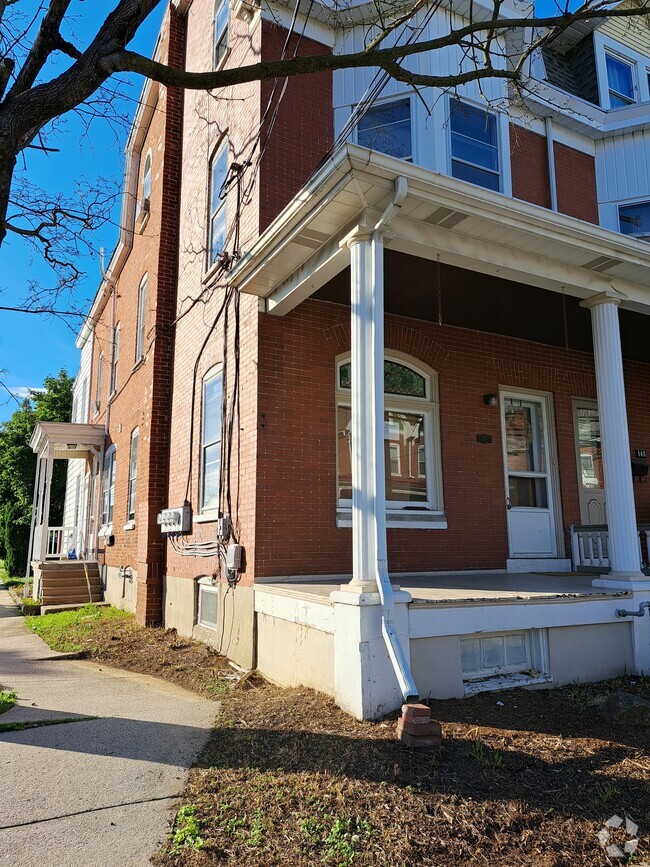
[522, 777]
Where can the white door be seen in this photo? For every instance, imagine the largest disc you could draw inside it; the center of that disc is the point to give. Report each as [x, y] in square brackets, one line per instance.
[529, 490]
[591, 482]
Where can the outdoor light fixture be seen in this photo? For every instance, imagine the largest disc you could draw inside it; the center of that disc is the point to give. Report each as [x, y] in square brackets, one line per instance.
[490, 399]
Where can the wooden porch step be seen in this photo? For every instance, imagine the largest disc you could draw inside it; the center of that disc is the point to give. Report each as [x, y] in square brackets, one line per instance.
[76, 581]
[68, 570]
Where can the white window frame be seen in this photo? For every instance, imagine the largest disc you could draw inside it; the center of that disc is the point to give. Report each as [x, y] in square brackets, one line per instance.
[501, 173]
[205, 585]
[133, 477]
[218, 209]
[146, 176]
[429, 513]
[629, 204]
[100, 376]
[220, 38]
[116, 358]
[504, 676]
[604, 45]
[108, 488]
[142, 311]
[213, 373]
[625, 61]
[381, 104]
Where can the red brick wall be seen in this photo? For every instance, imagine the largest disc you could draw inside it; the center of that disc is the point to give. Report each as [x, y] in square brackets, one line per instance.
[575, 175]
[303, 130]
[296, 471]
[529, 166]
[142, 394]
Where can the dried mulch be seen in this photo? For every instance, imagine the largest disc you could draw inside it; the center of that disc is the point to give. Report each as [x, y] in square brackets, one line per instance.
[523, 777]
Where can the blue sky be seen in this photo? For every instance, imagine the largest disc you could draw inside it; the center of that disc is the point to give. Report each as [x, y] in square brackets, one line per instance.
[33, 347]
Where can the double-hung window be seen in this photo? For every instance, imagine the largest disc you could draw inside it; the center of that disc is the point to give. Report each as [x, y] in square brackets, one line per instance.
[116, 358]
[620, 81]
[100, 377]
[133, 475]
[108, 491]
[386, 127]
[219, 32]
[413, 481]
[474, 145]
[211, 440]
[218, 173]
[142, 309]
[635, 220]
[146, 182]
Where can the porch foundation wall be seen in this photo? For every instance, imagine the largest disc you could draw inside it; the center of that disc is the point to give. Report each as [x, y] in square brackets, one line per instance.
[292, 654]
[120, 592]
[589, 653]
[234, 633]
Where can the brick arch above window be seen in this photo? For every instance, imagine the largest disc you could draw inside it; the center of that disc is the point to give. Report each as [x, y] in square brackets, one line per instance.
[397, 337]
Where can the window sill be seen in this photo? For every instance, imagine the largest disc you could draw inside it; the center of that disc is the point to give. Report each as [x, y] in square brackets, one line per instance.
[400, 520]
[205, 519]
[141, 222]
[129, 526]
[105, 530]
[138, 364]
[210, 273]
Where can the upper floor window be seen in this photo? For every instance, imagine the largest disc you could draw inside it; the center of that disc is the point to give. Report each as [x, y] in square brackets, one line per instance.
[146, 178]
[116, 357]
[217, 226]
[108, 489]
[635, 220]
[411, 437]
[82, 404]
[474, 145]
[220, 32]
[142, 310]
[133, 475]
[211, 440]
[386, 127]
[620, 81]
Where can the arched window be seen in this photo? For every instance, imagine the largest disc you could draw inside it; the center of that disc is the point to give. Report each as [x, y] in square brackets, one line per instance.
[211, 440]
[142, 310]
[411, 437]
[146, 180]
[217, 205]
[219, 32]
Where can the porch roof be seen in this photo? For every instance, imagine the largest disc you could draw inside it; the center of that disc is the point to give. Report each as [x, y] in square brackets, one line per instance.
[442, 219]
[66, 439]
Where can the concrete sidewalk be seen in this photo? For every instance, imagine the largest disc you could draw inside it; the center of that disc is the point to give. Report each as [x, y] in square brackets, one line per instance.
[95, 793]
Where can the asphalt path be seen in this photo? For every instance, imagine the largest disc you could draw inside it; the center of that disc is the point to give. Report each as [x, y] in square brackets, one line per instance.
[93, 793]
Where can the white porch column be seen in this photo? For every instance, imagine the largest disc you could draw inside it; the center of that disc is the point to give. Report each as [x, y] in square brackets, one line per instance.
[623, 542]
[364, 419]
[49, 466]
[35, 507]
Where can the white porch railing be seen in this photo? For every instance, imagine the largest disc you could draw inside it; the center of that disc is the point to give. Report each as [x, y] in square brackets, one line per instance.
[59, 541]
[589, 545]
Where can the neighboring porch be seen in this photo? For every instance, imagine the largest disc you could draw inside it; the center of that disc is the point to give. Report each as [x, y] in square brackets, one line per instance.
[51, 544]
[462, 633]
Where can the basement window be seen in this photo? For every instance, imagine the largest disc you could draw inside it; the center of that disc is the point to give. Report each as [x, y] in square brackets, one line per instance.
[208, 599]
[492, 661]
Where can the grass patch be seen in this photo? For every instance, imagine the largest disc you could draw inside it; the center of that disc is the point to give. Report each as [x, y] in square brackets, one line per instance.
[7, 700]
[67, 631]
[10, 580]
[186, 833]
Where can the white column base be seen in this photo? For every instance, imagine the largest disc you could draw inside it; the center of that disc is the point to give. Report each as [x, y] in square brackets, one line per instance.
[365, 684]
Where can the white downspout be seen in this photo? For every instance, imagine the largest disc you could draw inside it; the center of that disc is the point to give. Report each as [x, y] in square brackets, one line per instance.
[395, 651]
[550, 155]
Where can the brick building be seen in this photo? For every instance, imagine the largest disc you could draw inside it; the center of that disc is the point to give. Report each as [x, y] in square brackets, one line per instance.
[403, 343]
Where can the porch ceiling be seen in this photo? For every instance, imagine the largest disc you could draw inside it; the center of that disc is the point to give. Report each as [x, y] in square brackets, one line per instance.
[67, 440]
[442, 219]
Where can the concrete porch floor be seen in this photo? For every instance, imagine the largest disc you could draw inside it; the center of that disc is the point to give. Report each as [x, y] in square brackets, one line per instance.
[456, 588]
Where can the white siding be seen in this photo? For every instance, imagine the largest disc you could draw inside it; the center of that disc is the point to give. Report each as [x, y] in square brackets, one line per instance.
[623, 173]
[76, 481]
